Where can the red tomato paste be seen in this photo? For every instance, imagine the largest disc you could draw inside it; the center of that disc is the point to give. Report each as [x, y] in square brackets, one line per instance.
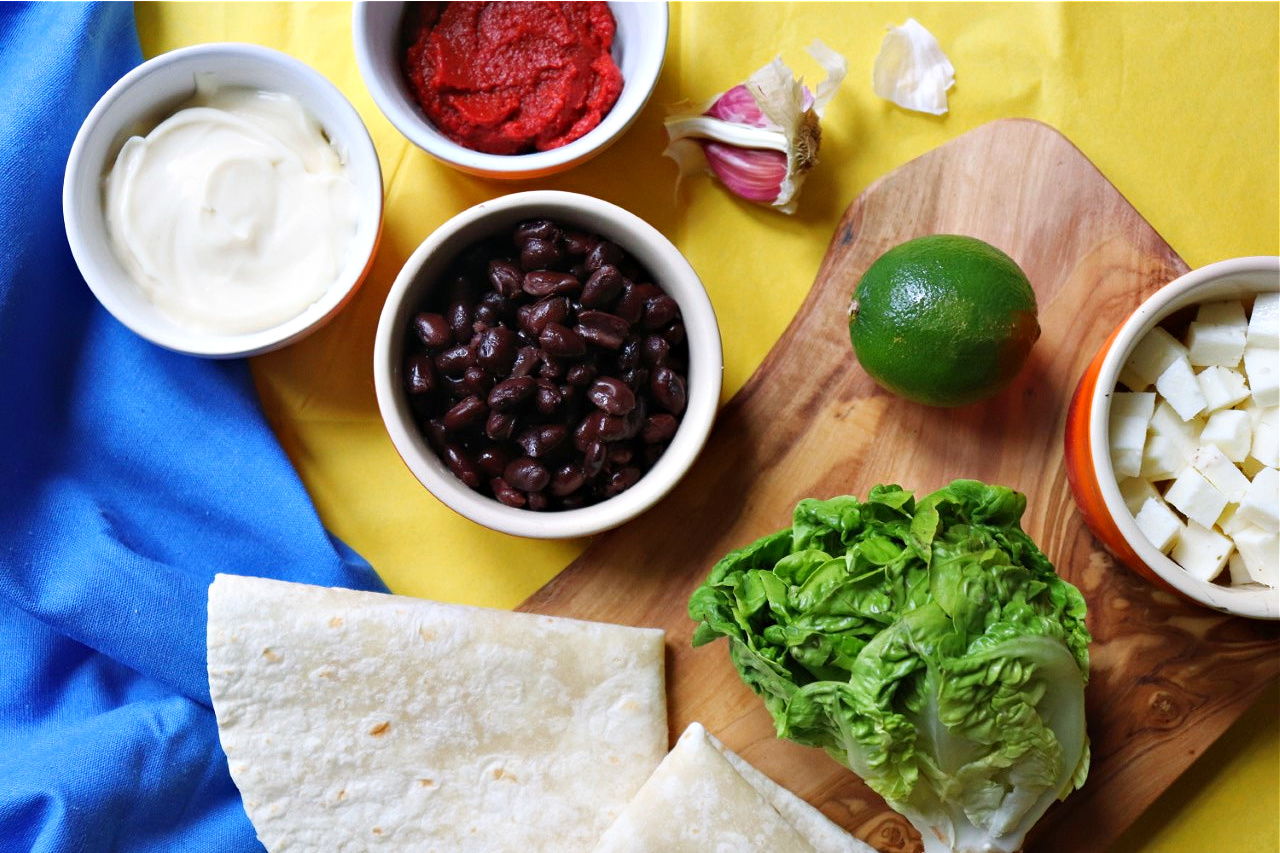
[511, 78]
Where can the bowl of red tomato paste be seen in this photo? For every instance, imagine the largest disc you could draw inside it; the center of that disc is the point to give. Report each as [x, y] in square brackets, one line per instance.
[510, 89]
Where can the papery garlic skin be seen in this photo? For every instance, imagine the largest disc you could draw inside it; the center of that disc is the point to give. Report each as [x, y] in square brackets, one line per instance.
[912, 71]
[761, 138]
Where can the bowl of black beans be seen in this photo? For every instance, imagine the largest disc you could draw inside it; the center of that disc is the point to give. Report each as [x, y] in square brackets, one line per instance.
[547, 364]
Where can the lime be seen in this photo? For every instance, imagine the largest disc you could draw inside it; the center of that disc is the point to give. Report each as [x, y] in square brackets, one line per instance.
[944, 320]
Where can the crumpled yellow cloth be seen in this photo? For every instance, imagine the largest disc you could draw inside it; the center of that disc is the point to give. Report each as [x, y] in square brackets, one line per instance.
[1177, 104]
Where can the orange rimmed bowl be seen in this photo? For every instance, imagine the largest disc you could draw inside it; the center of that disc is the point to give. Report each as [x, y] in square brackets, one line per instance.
[1087, 452]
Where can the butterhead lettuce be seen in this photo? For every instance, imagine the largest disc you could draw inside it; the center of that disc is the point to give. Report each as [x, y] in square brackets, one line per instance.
[927, 645]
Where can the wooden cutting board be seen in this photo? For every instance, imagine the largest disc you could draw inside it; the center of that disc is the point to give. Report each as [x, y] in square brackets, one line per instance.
[1168, 677]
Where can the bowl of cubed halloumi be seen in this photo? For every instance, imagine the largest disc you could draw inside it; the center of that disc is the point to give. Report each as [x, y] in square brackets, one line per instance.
[1172, 440]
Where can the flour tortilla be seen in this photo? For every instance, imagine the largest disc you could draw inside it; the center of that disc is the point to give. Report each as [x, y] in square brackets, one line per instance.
[703, 798]
[357, 721]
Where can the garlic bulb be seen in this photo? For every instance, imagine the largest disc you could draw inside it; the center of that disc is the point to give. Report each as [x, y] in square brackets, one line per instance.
[912, 71]
[759, 138]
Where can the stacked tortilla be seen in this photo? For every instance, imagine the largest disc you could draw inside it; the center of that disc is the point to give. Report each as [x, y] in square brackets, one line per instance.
[354, 721]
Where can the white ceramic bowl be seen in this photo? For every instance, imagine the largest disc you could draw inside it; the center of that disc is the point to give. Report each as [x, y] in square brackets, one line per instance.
[639, 47]
[1088, 458]
[669, 270]
[142, 99]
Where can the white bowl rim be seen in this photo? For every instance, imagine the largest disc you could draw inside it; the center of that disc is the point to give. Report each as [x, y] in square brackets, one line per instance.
[1254, 602]
[359, 144]
[705, 380]
[636, 90]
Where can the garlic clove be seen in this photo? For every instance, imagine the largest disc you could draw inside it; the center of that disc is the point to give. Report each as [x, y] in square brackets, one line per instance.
[912, 71]
[760, 138]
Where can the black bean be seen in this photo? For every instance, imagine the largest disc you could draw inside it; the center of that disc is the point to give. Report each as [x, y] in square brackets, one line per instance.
[510, 393]
[612, 428]
[630, 305]
[674, 333]
[505, 494]
[492, 460]
[602, 329]
[460, 315]
[659, 311]
[543, 282]
[466, 413]
[561, 341]
[668, 390]
[581, 375]
[602, 287]
[588, 429]
[539, 441]
[629, 355]
[455, 360]
[621, 480]
[526, 361]
[659, 427]
[462, 466]
[541, 229]
[432, 329]
[548, 397]
[537, 254]
[538, 502]
[593, 456]
[612, 396]
[534, 318]
[505, 277]
[419, 374]
[604, 252]
[496, 350]
[500, 426]
[567, 479]
[654, 350]
[578, 243]
[476, 380]
[527, 475]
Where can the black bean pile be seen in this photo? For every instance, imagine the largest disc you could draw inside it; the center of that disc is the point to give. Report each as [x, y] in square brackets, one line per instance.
[547, 370]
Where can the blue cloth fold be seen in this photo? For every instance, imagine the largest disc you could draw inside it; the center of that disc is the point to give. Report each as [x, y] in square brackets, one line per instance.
[129, 476]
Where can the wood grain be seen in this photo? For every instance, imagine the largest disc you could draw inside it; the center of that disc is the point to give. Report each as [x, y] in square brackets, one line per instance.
[1167, 678]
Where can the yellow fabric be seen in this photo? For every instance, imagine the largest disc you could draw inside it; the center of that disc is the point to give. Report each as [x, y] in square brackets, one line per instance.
[1177, 104]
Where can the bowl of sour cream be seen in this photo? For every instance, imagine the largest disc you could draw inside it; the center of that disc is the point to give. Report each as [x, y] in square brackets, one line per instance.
[223, 200]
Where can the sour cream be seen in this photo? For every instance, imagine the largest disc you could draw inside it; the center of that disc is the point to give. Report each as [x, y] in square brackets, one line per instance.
[235, 213]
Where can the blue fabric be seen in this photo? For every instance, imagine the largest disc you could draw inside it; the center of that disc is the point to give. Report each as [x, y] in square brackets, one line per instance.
[129, 476]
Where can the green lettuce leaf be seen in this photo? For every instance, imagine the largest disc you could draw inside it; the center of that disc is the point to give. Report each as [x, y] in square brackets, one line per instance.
[927, 645]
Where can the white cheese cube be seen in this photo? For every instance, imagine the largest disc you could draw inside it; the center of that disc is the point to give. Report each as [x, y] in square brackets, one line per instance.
[1262, 368]
[1237, 571]
[1168, 423]
[1221, 472]
[1260, 504]
[1201, 551]
[1229, 522]
[1264, 321]
[1135, 491]
[1162, 458]
[1223, 387]
[1151, 356]
[1178, 385]
[1217, 335]
[1130, 414]
[1229, 430]
[1260, 550]
[1266, 438]
[1196, 498]
[1158, 523]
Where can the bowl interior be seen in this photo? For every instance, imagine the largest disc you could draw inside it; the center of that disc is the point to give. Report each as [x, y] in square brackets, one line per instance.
[669, 269]
[639, 48]
[1234, 279]
[136, 104]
